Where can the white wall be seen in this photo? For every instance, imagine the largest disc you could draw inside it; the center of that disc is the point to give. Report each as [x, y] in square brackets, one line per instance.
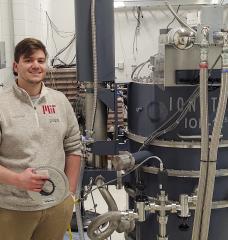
[20, 19]
[6, 35]
[147, 38]
[27, 18]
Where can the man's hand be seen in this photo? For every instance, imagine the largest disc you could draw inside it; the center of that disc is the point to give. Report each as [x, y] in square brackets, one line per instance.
[29, 180]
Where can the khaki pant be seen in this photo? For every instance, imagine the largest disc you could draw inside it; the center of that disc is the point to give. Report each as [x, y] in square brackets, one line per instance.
[48, 224]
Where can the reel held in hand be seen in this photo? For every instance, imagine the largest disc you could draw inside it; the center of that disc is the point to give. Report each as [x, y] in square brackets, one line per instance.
[55, 188]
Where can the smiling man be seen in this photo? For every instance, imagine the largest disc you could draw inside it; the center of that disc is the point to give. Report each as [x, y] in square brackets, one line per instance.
[37, 128]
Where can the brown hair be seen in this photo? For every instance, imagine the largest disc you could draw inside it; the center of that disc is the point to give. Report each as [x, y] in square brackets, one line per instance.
[27, 47]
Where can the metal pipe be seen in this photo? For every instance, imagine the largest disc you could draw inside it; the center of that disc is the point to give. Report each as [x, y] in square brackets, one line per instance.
[100, 123]
[215, 142]
[204, 132]
[184, 208]
[95, 71]
[162, 218]
[179, 19]
[113, 218]
[141, 211]
[112, 206]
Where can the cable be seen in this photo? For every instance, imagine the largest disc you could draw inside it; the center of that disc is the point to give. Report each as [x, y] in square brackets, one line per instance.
[173, 18]
[70, 232]
[124, 175]
[47, 17]
[94, 204]
[160, 131]
[212, 67]
[140, 69]
[137, 28]
[119, 34]
[55, 28]
[61, 51]
[182, 23]
[62, 34]
[140, 65]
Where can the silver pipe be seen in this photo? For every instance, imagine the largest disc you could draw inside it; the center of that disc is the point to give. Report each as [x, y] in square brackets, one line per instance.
[95, 72]
[204, 133]
[130, 191]
[100, 123]
[162, 218]
[213, 156]
[112, 206]
[141, 211]
[178, 18]
[112, 218]
[209, 186]
[184, 208]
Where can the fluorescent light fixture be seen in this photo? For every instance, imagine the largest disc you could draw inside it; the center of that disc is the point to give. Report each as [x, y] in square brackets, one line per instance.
[119, 4]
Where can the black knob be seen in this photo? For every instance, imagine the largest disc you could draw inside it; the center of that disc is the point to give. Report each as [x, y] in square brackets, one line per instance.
[184, 227]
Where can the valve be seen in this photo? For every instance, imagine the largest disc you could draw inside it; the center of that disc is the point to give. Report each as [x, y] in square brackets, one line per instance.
[184, 212]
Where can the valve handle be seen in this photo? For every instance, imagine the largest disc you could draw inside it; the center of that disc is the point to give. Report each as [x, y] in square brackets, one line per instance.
[184, 227]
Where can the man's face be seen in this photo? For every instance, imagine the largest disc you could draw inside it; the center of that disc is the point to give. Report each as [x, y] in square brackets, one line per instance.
[32, 69]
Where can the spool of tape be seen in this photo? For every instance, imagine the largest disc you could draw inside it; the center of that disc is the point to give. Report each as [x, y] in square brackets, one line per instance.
[55, 188]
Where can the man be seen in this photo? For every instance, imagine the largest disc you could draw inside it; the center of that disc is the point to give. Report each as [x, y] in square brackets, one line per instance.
[37, 128]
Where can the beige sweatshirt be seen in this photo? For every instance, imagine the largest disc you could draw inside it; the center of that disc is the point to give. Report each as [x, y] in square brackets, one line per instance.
[34, 135]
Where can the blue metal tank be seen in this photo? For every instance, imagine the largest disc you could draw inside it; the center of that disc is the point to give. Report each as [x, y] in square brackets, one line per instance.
[149, 106]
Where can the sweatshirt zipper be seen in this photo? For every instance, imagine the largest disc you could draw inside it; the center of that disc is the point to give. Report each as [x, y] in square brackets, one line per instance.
[36, 116]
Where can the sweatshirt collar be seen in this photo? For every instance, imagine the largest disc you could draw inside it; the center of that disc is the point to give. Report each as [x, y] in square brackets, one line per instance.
[21, 93]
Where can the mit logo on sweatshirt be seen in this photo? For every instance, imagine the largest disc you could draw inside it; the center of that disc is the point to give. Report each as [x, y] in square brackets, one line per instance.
[49, 109]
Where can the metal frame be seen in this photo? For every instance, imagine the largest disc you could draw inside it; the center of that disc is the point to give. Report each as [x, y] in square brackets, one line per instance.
[122, 4]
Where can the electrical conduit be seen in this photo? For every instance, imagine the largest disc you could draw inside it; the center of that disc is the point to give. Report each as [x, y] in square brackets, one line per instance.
[95, 71]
